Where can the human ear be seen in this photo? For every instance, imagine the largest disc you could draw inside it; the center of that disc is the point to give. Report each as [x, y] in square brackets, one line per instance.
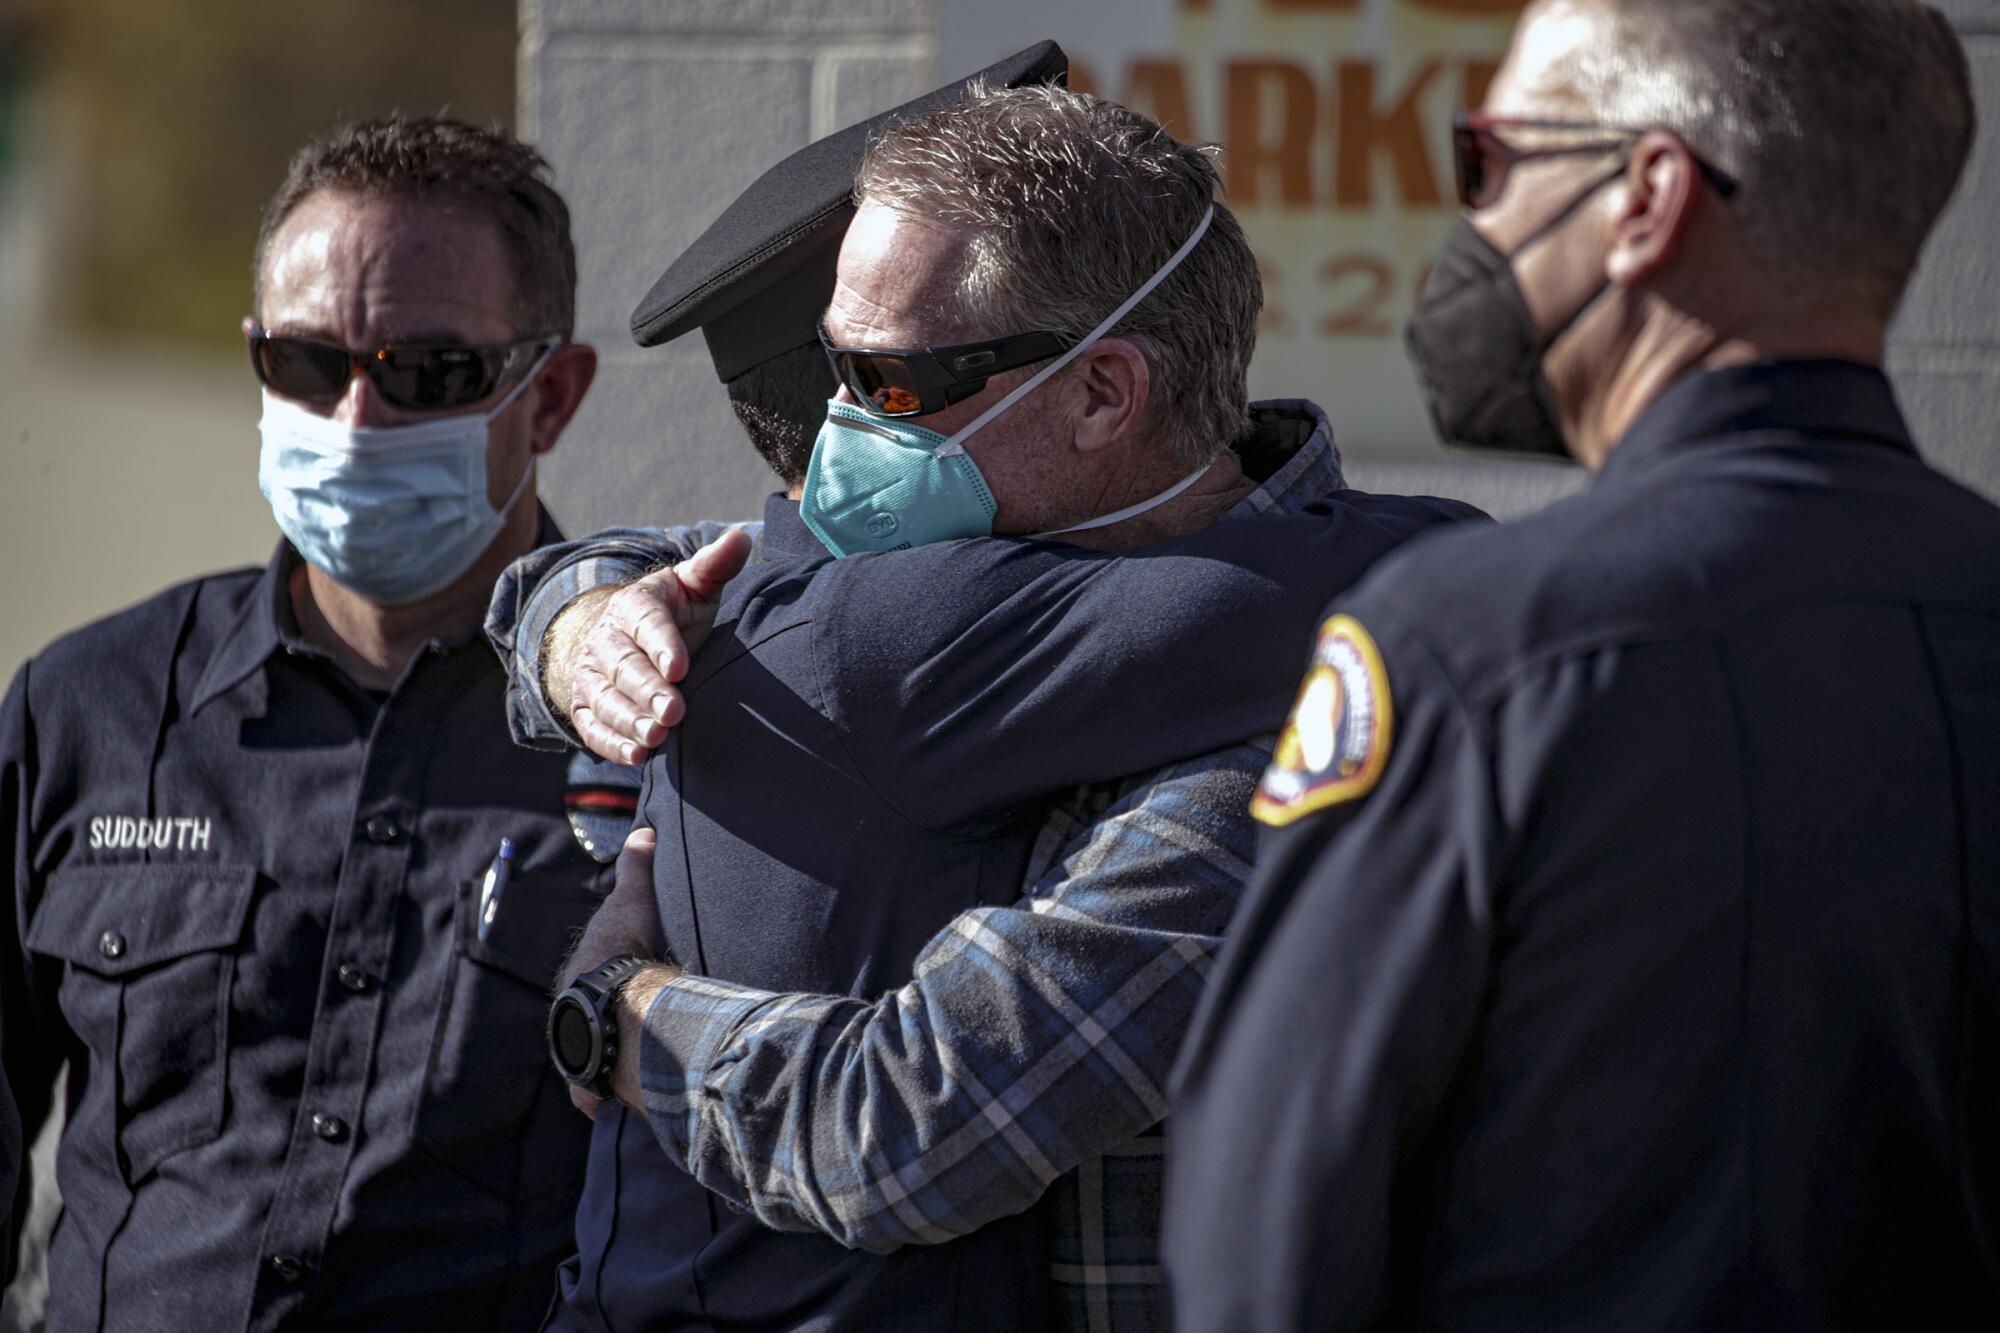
[1656, 209]
[558, 392]
[1112, 384]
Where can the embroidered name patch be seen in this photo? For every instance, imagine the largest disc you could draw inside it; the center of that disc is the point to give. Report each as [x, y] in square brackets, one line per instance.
[180, 833]
[1336, 742]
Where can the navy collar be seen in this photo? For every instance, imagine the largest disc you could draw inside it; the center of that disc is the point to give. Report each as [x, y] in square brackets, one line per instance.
[1818, 399]
[268, 623]
[786, 536]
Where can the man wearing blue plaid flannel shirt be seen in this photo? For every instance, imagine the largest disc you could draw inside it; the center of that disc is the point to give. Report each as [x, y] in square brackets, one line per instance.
[1027, 1053]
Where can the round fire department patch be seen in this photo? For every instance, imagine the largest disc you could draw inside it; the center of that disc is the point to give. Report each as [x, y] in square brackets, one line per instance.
[601, 799]
[1336, 742]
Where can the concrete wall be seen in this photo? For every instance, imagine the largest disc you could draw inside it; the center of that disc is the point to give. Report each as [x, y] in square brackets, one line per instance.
[656, 113]
[1945, 349]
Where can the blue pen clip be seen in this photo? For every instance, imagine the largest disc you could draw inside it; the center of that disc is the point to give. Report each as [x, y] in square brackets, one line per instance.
[494, 885]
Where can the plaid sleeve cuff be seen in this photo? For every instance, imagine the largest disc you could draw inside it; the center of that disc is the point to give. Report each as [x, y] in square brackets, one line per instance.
[689, 1029]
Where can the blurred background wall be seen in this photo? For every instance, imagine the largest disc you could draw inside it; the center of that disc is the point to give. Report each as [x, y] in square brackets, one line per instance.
[139, 140]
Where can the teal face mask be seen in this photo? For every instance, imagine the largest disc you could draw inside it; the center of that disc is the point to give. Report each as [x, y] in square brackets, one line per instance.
[883, 484]
[876, 485]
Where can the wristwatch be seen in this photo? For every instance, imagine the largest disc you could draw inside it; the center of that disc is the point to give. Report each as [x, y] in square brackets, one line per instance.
[583, 1024]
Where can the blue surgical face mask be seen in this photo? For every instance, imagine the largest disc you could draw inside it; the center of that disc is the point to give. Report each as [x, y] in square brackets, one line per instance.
[394, 512]
[883, 484]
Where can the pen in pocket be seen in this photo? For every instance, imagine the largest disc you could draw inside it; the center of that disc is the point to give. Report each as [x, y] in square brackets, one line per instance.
[494, 885]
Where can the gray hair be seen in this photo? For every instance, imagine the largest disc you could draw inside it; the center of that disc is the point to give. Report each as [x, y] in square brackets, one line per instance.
[1846, 123]
[1071, 203]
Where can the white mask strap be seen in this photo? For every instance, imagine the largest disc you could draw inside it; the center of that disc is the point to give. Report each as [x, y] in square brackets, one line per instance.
[1129, 511]
[520, 488]
[521, 386]
[956, 444]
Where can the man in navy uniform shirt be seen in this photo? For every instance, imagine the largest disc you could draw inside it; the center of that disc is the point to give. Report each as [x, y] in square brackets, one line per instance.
[903, 1025]
[244, 825]
[1625, 948]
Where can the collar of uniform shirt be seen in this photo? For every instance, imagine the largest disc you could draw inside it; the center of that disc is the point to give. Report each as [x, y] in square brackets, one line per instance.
[1817, 398]
[268, 623]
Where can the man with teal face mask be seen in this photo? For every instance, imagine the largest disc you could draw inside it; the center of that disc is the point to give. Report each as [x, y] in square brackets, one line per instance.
[244, 824]
[902, 1026]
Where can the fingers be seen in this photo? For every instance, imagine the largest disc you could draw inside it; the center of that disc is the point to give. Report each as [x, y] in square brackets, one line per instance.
[620, 703]
[585, 1100]
[714, 565]
[634, 873]
[606, 743]
[607, 722]
[622, 698]
[650, 612]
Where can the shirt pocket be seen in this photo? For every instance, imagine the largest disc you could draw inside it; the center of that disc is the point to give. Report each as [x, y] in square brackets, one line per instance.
[150, 954]
[493, 1106]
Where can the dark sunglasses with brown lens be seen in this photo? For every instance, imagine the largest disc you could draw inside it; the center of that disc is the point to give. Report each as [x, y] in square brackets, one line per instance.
[429, 377]
[916, 382]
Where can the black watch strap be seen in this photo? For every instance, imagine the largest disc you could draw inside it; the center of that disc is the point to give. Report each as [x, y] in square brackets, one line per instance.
[607, 979]
[595, 994]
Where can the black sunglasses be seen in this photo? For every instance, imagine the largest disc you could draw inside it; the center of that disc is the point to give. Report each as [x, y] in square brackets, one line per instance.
[416, 378]
[1483, 159]
[918, 382]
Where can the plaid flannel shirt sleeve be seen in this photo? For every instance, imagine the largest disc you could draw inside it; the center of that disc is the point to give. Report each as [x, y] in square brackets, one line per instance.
[534, 590]
[1032, 1037]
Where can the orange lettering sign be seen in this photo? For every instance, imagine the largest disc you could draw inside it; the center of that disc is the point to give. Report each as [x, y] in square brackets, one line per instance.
[1258, 156]
[1365, 128]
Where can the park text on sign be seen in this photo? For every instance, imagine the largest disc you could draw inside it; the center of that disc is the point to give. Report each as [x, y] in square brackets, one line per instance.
[1334, 117]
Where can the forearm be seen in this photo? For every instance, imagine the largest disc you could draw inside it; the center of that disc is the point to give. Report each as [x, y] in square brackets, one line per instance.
[899, 1120]
[835, 1115]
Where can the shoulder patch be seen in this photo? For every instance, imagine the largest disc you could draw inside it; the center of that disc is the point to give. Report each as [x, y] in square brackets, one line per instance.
[1336, 742]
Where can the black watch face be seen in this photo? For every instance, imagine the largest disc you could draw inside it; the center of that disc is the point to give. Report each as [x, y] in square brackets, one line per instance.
[569, 1032]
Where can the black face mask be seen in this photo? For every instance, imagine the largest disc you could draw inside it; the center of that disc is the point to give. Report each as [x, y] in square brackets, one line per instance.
[1476, 350]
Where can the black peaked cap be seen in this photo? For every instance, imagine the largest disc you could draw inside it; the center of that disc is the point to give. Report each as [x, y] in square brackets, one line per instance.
[756, 282]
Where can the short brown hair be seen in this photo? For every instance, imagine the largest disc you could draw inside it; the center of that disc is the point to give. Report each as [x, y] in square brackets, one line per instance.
[1071, 203]
[432, 157]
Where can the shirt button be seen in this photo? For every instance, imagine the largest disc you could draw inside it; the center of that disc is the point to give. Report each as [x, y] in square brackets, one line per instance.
[330, 1127]
[111, 944]
[287, 1267]
[354, 978]
[385, 830]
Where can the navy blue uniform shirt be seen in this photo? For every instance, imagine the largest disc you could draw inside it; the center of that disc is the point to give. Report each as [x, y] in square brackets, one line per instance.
[867, 753]
[1627, 951]
[302, 1092]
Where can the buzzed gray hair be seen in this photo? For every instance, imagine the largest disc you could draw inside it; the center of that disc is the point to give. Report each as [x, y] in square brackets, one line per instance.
[1070, 204]
[1846, 123]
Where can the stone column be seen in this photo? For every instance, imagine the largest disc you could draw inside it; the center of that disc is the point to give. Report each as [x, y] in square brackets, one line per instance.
[655, 115]
[1944, 351]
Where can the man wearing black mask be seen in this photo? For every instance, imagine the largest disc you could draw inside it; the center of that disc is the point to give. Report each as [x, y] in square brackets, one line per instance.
[1624, 950]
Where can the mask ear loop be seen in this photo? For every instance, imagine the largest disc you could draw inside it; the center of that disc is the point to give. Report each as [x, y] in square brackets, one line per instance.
[1548, 229]
[956, 444]
[521, 486]
[520, 387]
